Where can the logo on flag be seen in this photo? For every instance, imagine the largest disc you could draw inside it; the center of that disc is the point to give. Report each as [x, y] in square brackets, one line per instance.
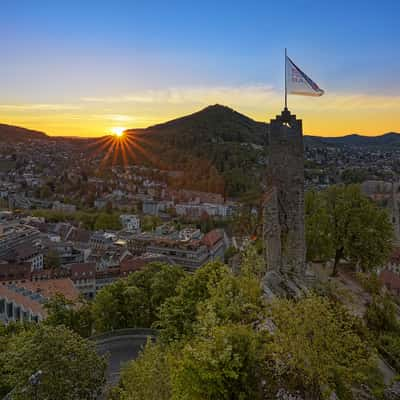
[297, 82]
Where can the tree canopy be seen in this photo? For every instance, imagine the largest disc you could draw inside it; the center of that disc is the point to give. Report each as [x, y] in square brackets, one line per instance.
[70, 367]
[134, 301]
[224, 364]
[76, 316]
[382, 319]
[221, 340]
[52, 260]
[317, 348]
[146, 378]
[341, 223]
[178, 313]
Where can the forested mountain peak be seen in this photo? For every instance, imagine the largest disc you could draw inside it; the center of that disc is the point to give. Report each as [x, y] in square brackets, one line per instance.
[11, 133]
[215, 123]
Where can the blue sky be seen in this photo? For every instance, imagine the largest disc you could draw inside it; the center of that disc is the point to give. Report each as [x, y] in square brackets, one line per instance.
[65, 64]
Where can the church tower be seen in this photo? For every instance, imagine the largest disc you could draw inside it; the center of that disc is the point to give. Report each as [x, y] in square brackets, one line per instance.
[284, 233]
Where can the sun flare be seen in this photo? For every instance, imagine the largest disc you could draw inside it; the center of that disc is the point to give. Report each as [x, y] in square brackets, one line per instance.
[118, 131]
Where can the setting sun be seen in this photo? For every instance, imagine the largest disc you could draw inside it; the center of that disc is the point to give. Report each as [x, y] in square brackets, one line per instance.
[118, 131]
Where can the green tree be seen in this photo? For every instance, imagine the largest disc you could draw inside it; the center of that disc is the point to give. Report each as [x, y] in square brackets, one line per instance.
[232, 300]
[116, 306]
[109, 207]
[245, 222]
[45, 192]
[77, 317]
[163, 280]
[178, 314]
[341, 223]
[146, 378]
[211, 296]
[389, 347]
[225, 364]
[149, 223]
[317, 348]
[381, 315]
[320, 245]
[52, 260]
[6, 333]
[382, 320]
[70, 367]
[134, 301]
[253, 263]
[229, 253]
[106, 221]
[354, 175]
[214, 344]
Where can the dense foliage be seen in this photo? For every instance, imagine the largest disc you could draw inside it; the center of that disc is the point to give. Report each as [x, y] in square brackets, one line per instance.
[70, 367]
[341, 223]
[220, 340]
[134, 301]
[224, 363]
[146, 378]
[126, 303]
[382, 319]
[77, 317]
[318, 348]
[92, 220]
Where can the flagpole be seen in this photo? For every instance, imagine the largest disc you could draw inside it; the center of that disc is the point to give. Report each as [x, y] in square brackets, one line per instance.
[285, 79]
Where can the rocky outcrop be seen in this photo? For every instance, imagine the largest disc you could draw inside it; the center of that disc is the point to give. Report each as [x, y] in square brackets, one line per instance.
[393, 392]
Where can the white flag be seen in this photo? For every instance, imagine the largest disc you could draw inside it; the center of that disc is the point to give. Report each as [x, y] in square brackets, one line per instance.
[297, 82]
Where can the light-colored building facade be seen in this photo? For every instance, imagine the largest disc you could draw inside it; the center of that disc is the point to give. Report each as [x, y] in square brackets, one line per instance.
[83, 276]
[130, 222]
[24, 301]
[13, 235]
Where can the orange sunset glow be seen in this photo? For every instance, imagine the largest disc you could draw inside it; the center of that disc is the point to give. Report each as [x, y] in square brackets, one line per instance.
[118, 131]
[122, 148]
[142, 74]
[334, 114]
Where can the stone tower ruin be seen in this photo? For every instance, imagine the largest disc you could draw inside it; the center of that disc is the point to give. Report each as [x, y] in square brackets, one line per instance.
[284, 235]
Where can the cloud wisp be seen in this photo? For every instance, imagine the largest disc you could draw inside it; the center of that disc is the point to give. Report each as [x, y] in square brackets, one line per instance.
[39, 107]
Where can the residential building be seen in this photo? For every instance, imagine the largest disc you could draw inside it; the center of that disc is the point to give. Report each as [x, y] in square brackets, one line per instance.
[137, 244]
[14, 234]
[151, 207]
[24, 301]
[107, 276]
[130, 222]
[214, 240]
[10, 272]
[83, 276]
[190, 254]
[26, 253]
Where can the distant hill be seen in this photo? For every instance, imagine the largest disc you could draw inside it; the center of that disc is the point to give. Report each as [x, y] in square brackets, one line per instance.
[218, 148]
[213, 124]
[387, 140]
[12, 133]
[221, 150]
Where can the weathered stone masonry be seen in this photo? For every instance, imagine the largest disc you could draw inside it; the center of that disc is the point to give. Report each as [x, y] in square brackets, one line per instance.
[284, 201]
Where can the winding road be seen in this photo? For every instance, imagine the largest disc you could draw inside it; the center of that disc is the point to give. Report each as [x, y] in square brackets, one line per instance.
[121, 346]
